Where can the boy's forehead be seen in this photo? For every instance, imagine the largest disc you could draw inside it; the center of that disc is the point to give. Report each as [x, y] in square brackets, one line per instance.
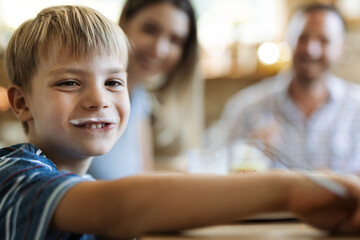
[58, 53]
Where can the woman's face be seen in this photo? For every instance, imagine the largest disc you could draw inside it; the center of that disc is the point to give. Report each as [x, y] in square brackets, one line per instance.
[157, 34]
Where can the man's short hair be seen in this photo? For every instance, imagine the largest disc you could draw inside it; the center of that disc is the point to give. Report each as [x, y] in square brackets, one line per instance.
[291, 37]
[324, 7]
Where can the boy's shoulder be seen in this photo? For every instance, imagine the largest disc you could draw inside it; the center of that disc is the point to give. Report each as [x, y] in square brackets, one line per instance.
[25, 154]
[30, 188]
[21, 149]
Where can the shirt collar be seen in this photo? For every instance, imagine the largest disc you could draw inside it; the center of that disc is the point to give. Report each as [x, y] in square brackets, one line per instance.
[335, 85]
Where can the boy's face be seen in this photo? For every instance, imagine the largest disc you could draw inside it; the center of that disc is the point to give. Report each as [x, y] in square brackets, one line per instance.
[79, 106]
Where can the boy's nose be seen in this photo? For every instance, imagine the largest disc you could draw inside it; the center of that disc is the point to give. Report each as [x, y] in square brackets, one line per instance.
[96, 99]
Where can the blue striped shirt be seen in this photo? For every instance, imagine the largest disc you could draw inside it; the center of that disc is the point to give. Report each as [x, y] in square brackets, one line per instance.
[30, 189]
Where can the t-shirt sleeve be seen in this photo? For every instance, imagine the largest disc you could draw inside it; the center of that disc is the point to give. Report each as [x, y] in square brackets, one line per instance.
[29, 194]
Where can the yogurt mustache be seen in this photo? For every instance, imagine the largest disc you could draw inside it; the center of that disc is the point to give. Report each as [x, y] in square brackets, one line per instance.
[94, 121]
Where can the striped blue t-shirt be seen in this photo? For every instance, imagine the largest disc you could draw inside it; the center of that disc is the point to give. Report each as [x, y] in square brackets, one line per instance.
[30, 189]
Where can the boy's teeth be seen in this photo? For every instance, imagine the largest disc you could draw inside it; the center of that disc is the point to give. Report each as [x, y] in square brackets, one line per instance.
[95, 126]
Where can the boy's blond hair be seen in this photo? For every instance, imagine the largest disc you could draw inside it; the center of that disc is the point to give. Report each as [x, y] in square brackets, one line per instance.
[76, 30]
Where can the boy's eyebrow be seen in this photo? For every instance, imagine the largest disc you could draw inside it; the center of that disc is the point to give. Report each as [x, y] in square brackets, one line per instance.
[80, 71]
[116, 70]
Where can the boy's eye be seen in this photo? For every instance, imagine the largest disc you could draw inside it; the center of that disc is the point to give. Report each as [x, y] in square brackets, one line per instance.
[115, 83]
[68, 83]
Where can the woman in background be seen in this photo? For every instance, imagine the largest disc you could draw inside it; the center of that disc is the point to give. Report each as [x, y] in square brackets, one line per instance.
[166, 89]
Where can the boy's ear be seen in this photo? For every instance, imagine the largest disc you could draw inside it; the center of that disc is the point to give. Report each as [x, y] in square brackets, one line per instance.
[18, 103]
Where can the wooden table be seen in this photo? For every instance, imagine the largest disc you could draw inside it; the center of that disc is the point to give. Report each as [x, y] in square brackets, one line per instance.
[263, 230]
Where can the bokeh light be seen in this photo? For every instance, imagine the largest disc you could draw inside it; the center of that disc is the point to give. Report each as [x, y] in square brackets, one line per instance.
[268, 53]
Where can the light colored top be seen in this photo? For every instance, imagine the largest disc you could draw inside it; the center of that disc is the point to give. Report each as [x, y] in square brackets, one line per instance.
[328, 139]
[125, 158]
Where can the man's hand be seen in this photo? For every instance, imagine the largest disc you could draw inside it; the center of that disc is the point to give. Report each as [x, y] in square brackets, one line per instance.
[268, 132]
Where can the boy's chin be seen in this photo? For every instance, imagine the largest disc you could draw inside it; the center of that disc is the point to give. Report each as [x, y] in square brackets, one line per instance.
[98, 148]
[98, 151]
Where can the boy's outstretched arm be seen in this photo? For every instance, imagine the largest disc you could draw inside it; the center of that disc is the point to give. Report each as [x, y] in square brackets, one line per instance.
[134, 205]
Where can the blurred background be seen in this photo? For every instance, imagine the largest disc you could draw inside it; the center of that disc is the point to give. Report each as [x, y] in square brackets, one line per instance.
[242, 41]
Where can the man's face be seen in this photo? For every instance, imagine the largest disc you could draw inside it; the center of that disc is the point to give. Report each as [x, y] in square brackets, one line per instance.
[319, 44]
[79, 106]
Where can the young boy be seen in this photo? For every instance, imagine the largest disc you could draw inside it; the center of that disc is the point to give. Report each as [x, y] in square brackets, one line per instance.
[68, 73]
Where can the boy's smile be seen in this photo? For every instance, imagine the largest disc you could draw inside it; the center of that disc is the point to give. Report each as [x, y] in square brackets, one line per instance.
[95, 123]
[79, 106]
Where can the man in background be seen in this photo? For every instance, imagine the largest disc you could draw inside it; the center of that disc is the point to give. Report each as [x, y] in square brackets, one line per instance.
[309, 115]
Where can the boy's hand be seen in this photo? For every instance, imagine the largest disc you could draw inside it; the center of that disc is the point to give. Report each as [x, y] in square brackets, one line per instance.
[352, 225]
[323, 209]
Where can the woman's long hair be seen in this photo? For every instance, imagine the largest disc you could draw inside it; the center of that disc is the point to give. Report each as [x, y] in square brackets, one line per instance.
[178, 105]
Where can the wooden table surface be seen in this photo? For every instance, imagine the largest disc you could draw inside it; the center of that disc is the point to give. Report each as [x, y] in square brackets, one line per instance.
[262, 230]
